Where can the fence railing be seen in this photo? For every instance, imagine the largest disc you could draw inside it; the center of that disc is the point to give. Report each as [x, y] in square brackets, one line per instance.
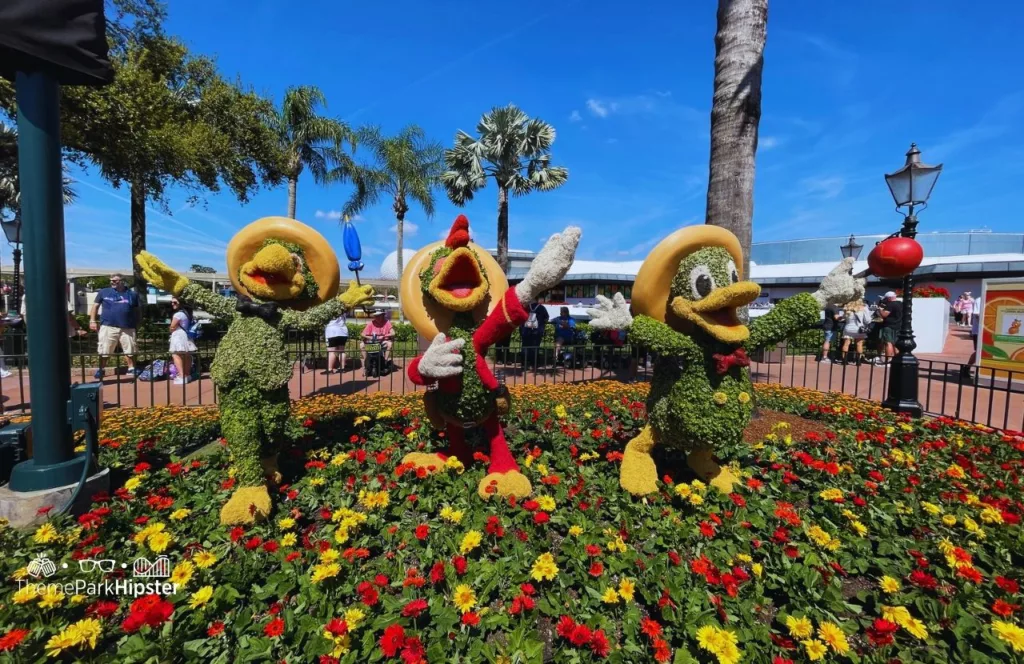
[984, 396]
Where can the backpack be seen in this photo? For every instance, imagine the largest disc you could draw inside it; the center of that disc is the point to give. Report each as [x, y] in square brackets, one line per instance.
[194, 330]
[157, 370]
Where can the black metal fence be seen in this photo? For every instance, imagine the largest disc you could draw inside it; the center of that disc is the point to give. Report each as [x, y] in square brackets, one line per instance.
[983, 396]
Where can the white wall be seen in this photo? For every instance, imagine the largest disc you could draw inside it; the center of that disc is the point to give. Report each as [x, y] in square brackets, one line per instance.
[931, 324]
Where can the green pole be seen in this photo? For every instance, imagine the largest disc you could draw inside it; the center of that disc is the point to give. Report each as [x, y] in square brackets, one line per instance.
[54, 462]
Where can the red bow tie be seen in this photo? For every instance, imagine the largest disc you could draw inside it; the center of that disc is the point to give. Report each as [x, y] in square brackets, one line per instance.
[737, 358]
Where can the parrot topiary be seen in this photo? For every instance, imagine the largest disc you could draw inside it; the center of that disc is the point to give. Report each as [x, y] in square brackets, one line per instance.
[287, 276]
[686, 296]
[455, 294]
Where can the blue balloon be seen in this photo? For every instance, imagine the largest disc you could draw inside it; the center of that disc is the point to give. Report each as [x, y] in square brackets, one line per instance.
[353, 250]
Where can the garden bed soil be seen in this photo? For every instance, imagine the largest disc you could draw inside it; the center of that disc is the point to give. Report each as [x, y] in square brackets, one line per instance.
[762, 425]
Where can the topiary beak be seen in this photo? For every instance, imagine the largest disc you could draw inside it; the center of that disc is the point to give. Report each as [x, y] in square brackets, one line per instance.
[716, 314]
[458, 283]
[273, 273]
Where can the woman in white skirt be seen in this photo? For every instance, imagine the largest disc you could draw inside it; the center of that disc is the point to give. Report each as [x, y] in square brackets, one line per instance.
[181, 346]
[858, 318]
[336, 334]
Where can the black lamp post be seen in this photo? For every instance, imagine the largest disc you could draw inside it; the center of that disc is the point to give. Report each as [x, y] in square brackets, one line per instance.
[910, 186]
[12, 229]
[851, 249]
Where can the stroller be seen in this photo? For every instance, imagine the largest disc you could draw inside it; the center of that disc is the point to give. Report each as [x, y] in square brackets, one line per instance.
[375, 364]
[609, 348]
[573, 353]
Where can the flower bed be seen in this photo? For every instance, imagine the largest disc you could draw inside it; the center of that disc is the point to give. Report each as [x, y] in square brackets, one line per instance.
[877, 540]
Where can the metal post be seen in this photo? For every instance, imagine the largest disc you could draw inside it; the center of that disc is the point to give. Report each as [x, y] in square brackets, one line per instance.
[16, 290]
[902, 396]
[54, 462]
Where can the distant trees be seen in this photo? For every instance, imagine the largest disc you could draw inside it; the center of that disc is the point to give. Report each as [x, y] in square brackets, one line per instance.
[201, 269]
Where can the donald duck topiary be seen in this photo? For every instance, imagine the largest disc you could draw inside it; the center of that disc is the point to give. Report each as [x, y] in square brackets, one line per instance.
[686, 299]
[287, 276]
[455, 294]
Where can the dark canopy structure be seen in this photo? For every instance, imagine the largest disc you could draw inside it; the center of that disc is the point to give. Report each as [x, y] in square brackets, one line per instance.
[63, 38]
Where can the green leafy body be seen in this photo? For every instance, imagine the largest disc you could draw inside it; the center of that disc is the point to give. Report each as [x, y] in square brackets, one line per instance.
[472, 402]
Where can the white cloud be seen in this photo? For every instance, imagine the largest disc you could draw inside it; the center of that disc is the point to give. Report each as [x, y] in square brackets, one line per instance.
[408, 228]
[768, 142]
[335, 214]
[598, 108]
[823, 187]
[575, 116]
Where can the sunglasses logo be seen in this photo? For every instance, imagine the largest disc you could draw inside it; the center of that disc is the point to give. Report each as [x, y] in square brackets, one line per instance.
[91, 565]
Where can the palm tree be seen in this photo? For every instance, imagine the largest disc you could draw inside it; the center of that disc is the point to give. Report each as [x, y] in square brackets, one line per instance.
[309, 140]
[512, 148]
[735, 115]
[10, 189]
[407, 166]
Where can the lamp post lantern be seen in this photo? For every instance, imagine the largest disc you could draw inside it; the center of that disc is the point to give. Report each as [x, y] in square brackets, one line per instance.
[851, 249]
[12, 229]
[911, 187]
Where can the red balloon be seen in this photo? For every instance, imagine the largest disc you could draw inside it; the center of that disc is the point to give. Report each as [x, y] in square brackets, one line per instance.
[895, 257]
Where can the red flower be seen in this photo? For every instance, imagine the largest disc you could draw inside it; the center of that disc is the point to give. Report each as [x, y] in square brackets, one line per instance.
[881, 631]
[580, 635]
[414, 608]
[599, 643]
[413, 651]
[565, 627]
[738, 500]
[437, 572]
[392, 640]
[597, 569]
[274, 628]
[270, 547]
[215, 629]
[1003, 608]
[367, 593]
[1007, 585]
[101, 609]
[541, 518]
[151, 610]
[707, 529]
[661, 650]
[650, 627]
[460, 565]
[674, 558]
[779, 659]
[294, 555]
[237, 533]
[337, 627]
[593, 550]
[422, 531]
[381, 580]
[971, 574]
[11, 639]
[470, 619]
[494, 527]
[253, 542]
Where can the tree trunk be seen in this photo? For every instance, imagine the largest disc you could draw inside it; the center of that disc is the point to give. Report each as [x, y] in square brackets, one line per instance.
[503, 227]
[138, 226]
[735, 114]
[293, 183]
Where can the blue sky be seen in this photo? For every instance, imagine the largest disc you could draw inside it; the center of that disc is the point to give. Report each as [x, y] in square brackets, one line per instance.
[847, 87]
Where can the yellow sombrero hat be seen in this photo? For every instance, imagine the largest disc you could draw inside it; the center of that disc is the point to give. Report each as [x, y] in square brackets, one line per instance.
[425, 313]
[654, 279]
[320, 258]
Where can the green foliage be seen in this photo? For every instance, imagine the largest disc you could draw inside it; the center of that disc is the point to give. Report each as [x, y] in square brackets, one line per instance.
[715, 259]
[473, 402]
[793, 314]
[254, 420]
[658, 338]
[252, 352]
[427, 275]
[202, 269]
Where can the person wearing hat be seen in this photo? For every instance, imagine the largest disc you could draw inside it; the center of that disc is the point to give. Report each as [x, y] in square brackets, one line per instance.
[686, 298]
[379, 330]
[286, 276]
[891, 312]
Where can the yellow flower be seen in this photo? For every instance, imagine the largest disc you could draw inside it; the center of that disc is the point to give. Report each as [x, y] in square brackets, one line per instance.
[77, 599]
[743, 397]
[453, 463]
[204, 559]
[179, 515]
[464, 598]
[832, 494]
[683, 490]
[1009, 633]
[815, 649]
[696, 499]
[50, 597]
[931, 508]
[286, 523]
[546, 503]
[341, 535]
[560, 412]
[20, 573]
[627, 588]
[720, 398]
[470, 541]
[384, 414]
[528, 461]
[698, 485]
[819, 536]
[25, 594]
[544, 568]
[991, 515]
[859, 528]
[325, 571]
[831, 634]
[956, 472]
[575, 531]
[353, 617]
[361, 419]
[757, 569]
[372, 500]
[85, 632]
[182, 573]
[617, 545]
[610, 596]
[799, 628]
[45, 534]
[147, 532]
[916, 628]
[58, 643]
[317, 481]
[132, 483]
[743, 558]
[949, 520]
[338, 459]
[889, 585]
[450, 515]
[201, 597]
[158, 542]
[719, 642]
[289, 539]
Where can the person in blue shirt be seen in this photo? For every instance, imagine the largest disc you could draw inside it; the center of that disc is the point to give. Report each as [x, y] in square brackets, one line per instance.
[119, 317]
[565, 330]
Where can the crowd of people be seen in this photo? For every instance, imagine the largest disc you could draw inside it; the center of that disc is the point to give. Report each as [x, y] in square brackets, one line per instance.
[855, 323]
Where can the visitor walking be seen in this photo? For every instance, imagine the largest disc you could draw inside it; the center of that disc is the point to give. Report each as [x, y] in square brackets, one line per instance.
[565, 331]
[855, 327]
[532, 332]
[891, 312]
[182, 345]
[967, 309]
[119, 317]
[958, 315]
[336, 334]
[830, 325]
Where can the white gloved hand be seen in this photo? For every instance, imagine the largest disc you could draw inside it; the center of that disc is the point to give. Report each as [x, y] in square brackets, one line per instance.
[442, 359]
[610, 314]
[840, 286]
[550, 265]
